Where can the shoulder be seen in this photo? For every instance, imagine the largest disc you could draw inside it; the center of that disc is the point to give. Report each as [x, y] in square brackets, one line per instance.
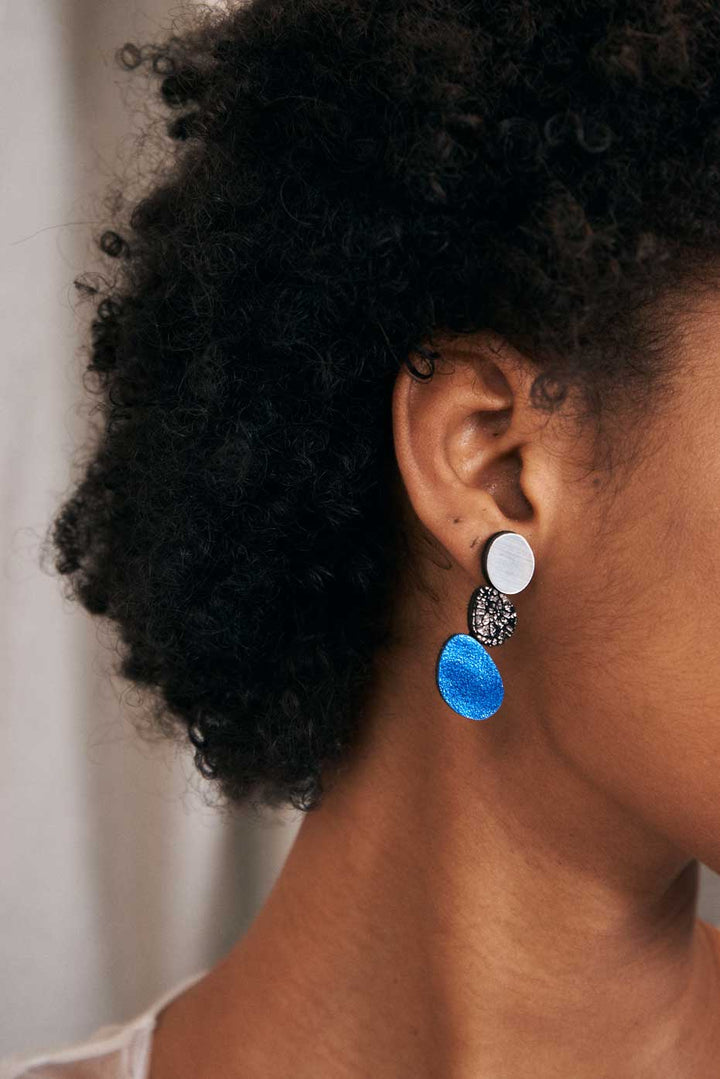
[712, 933]
[117, 1051]
[110, 1048]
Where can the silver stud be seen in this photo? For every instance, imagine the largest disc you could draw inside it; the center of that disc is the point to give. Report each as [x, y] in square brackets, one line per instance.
[508, 562]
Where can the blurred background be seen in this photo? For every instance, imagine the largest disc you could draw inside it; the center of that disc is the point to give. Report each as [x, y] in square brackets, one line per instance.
[117, 879]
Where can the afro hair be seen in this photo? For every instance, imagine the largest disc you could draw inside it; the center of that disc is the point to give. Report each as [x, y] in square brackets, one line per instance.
[345, 179]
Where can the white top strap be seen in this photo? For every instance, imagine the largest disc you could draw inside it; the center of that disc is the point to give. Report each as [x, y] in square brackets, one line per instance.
[126, 1045]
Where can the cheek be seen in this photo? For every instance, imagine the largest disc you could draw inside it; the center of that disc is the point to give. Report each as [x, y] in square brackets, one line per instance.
[632, 678]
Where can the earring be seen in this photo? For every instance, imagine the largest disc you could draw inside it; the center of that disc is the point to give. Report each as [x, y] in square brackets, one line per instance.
[466, 675]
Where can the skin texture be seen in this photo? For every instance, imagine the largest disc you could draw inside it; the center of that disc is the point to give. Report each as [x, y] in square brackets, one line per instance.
[530, 912]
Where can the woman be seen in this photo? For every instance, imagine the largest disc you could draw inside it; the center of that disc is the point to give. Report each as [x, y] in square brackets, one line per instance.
[405, 509]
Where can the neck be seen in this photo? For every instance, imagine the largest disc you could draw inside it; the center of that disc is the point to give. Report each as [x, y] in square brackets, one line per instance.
[466, 903]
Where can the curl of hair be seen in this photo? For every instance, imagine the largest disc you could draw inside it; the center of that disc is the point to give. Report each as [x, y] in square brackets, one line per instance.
[347, 178]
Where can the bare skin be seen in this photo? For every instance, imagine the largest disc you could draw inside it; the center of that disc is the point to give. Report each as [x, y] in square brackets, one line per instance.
[515, 897]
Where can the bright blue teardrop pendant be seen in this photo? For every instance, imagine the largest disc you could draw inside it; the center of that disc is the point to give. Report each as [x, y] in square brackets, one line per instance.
[468, 678]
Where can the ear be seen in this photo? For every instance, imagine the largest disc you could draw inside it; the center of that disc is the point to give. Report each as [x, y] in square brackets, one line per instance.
[470, 449]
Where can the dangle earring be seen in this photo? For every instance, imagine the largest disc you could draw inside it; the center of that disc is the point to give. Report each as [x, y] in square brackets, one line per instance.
[466, 675]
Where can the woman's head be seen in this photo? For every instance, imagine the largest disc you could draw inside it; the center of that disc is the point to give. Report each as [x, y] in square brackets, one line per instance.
[416, 272]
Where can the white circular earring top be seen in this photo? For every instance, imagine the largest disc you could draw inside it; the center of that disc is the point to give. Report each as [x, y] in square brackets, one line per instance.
[508, 562]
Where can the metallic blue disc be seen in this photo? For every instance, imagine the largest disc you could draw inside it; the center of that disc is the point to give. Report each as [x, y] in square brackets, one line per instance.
[468, 678]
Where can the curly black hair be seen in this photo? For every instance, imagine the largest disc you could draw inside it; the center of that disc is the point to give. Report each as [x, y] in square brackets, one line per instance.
[349, 178]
